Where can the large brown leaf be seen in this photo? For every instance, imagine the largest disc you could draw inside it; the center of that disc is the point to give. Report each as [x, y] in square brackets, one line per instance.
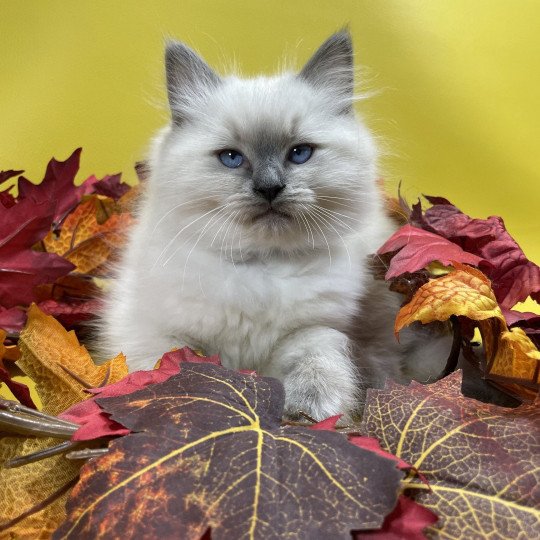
[209, 451]
[482, 461]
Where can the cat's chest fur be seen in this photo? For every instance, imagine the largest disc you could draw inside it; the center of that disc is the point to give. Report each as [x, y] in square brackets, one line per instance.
[242, 310]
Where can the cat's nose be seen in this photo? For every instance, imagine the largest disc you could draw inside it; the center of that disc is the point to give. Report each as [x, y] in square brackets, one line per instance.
[269, 192]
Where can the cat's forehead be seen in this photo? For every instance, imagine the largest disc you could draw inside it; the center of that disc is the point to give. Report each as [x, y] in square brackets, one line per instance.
[265, 112]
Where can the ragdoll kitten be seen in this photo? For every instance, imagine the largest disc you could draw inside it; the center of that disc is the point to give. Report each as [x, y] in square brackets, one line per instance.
[254, 231]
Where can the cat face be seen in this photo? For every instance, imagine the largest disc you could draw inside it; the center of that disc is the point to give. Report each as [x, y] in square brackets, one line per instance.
[265, 164]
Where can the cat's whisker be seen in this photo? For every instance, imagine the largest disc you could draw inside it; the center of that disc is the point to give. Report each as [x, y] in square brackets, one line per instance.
[316, 223]
[308, 228]
[175, 237]
[164, 216]
[202, 233]
[332, 217]
[223, 253]
[325, 220]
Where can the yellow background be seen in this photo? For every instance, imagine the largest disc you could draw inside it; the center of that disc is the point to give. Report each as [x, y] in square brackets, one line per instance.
[457, 84]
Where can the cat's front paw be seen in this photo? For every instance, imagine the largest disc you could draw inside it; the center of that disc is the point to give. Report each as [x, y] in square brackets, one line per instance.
[319, 400]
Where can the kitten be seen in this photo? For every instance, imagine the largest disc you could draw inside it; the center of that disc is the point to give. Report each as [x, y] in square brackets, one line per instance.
[253, 235]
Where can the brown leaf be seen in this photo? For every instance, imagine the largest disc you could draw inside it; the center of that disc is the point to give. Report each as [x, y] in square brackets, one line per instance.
[482, 461]
[511, 358]
[209, 451]
[85, 242]
[45, 348]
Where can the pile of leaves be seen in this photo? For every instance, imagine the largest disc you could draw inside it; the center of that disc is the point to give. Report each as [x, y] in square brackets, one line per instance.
[194, 450]
[57, 240]
[486, 276]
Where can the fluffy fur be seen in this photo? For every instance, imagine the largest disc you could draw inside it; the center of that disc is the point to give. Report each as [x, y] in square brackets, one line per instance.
[280, 287]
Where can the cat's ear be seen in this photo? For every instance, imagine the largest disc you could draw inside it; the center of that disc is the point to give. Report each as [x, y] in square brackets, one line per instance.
[188, 77]
[332, 68]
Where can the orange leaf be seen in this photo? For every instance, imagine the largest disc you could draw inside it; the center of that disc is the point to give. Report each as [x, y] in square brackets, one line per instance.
[48, 355]
[84, 241]
[511, 357]
[465, 291]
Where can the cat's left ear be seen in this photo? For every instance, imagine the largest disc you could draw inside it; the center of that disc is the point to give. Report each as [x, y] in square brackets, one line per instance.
[331, 68]
[188, 78]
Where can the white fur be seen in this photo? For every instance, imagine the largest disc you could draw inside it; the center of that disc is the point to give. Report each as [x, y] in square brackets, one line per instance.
[275, 295]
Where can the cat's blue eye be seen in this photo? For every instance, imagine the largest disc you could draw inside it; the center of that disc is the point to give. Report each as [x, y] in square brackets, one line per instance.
[231, 158]
[300, 154]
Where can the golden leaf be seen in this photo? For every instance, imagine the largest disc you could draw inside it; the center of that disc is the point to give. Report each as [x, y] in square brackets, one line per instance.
[511, 357]
[38, 491]
[85, 241]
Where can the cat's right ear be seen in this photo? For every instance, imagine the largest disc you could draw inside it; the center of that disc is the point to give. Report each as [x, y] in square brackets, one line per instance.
[188, 78]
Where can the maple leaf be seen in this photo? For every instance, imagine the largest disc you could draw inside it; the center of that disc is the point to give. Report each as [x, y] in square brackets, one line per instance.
[21, 268]
[208, 450]
[419, 248]
[514, 277]
[109, 186]
[85, 242]
[19, 390]
[33, 496]
[510, 356]
[57, 187]
[95, 422]
[482, 461]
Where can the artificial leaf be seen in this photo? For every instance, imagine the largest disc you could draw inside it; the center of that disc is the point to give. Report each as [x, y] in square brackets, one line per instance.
[85, 242]
[12, 319]
[95, 422]
[21, 268]
[510, 356]
[110, 186]
[406, 521]
[419, 248]
[482, 461]
[514, 277]
[58, 187]
[209, 451]
[72, 313]
[33, 496]
[19, 390]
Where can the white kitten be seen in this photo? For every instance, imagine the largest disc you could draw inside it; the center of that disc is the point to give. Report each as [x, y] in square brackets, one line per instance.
[252, 238]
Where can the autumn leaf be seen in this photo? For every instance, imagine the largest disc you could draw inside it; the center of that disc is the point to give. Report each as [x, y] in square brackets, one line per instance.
[21, 268]
[482, 461]
[514, 277]
[419, 248]
[511, 358]
[85, 242]
[407, 521]
[33, 496]
[95, 422]
[208, 450]
[57, 187]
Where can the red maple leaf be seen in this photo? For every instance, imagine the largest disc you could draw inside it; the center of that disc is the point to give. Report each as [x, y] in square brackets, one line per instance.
[419, 248]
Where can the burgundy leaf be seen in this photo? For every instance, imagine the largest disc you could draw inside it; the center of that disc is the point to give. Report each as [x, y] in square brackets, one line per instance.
[419, 248]
[109, 186]
[513, 276]
[19, 390]
[12, 320]
[72, 313]
[405, 522]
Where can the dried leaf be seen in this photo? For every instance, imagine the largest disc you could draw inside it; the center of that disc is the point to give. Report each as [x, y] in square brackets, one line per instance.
[209, 451]
[419, 248]
[85, 242]
[33, 496]
[514, 277]
[57, 187]
[482, 461]
[95, 422]
[510, 356]
[407, 521]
